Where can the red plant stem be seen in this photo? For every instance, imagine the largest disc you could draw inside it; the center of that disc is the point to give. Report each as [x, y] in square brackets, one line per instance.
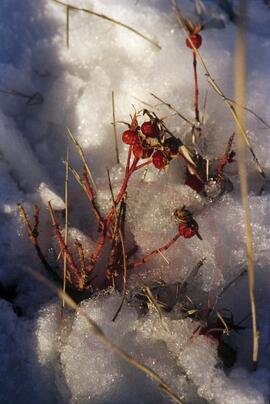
[196, 93]
[128, 160]
[143, 165]
[154, 253]
[36, 221]
[91, 197]
[76, 277]
[101, 241]
[33, 234]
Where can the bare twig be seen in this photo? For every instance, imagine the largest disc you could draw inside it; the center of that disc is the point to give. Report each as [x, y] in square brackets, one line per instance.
[105, 17]
[33, 99]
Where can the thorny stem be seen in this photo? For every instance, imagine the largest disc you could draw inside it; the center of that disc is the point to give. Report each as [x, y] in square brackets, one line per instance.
[128, 160]
[75, 273]
[81, 258]
[101, 241]
[154, 253]
[33, 234]
[91, 197]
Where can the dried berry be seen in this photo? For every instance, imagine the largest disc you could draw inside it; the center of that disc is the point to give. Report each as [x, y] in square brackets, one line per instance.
[196, 39]
[130, 137]
[150, 129]
[185, 231]
[141, 152]
[171, 147]
[159, 160]
[195, 183]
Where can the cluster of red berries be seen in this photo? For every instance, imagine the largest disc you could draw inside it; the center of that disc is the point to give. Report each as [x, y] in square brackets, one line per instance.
[188, 227]
[149, 140]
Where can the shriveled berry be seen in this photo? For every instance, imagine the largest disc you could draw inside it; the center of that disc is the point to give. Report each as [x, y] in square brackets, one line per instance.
[186, 231]
[150, 129]
[171, 146]
[159, 159]
[196, 39]
[195, 183]
[141, 152]
[130, 137]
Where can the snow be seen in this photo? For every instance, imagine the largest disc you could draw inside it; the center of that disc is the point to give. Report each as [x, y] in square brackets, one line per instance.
[44, 360]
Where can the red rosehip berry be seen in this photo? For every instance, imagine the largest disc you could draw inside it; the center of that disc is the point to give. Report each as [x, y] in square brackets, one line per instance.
[140, 152]
[159, 160]
[130, 137]
[137, 150]
[185, 231]
[150, 129]
[196, 39]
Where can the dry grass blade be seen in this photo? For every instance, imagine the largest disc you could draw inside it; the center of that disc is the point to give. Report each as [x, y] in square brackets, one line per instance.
[251, 112]
[74, 272]
[152, 300]
[173, 109]
[97, 331]
[217, 89]
[66, 230]
[81, 153]
[67, 25]
[115, 130]
[240, 76]
[232, 282]
[105, 17]
[226, 329]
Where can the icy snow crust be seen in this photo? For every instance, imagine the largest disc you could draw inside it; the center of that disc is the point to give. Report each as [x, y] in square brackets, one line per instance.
[40, 364]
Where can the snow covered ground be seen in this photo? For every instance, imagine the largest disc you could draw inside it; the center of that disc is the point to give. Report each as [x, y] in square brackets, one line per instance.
[38, 362]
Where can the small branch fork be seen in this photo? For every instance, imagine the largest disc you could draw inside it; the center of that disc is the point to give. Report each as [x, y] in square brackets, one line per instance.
[154, 253]
[33, 233]
[110, 228]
